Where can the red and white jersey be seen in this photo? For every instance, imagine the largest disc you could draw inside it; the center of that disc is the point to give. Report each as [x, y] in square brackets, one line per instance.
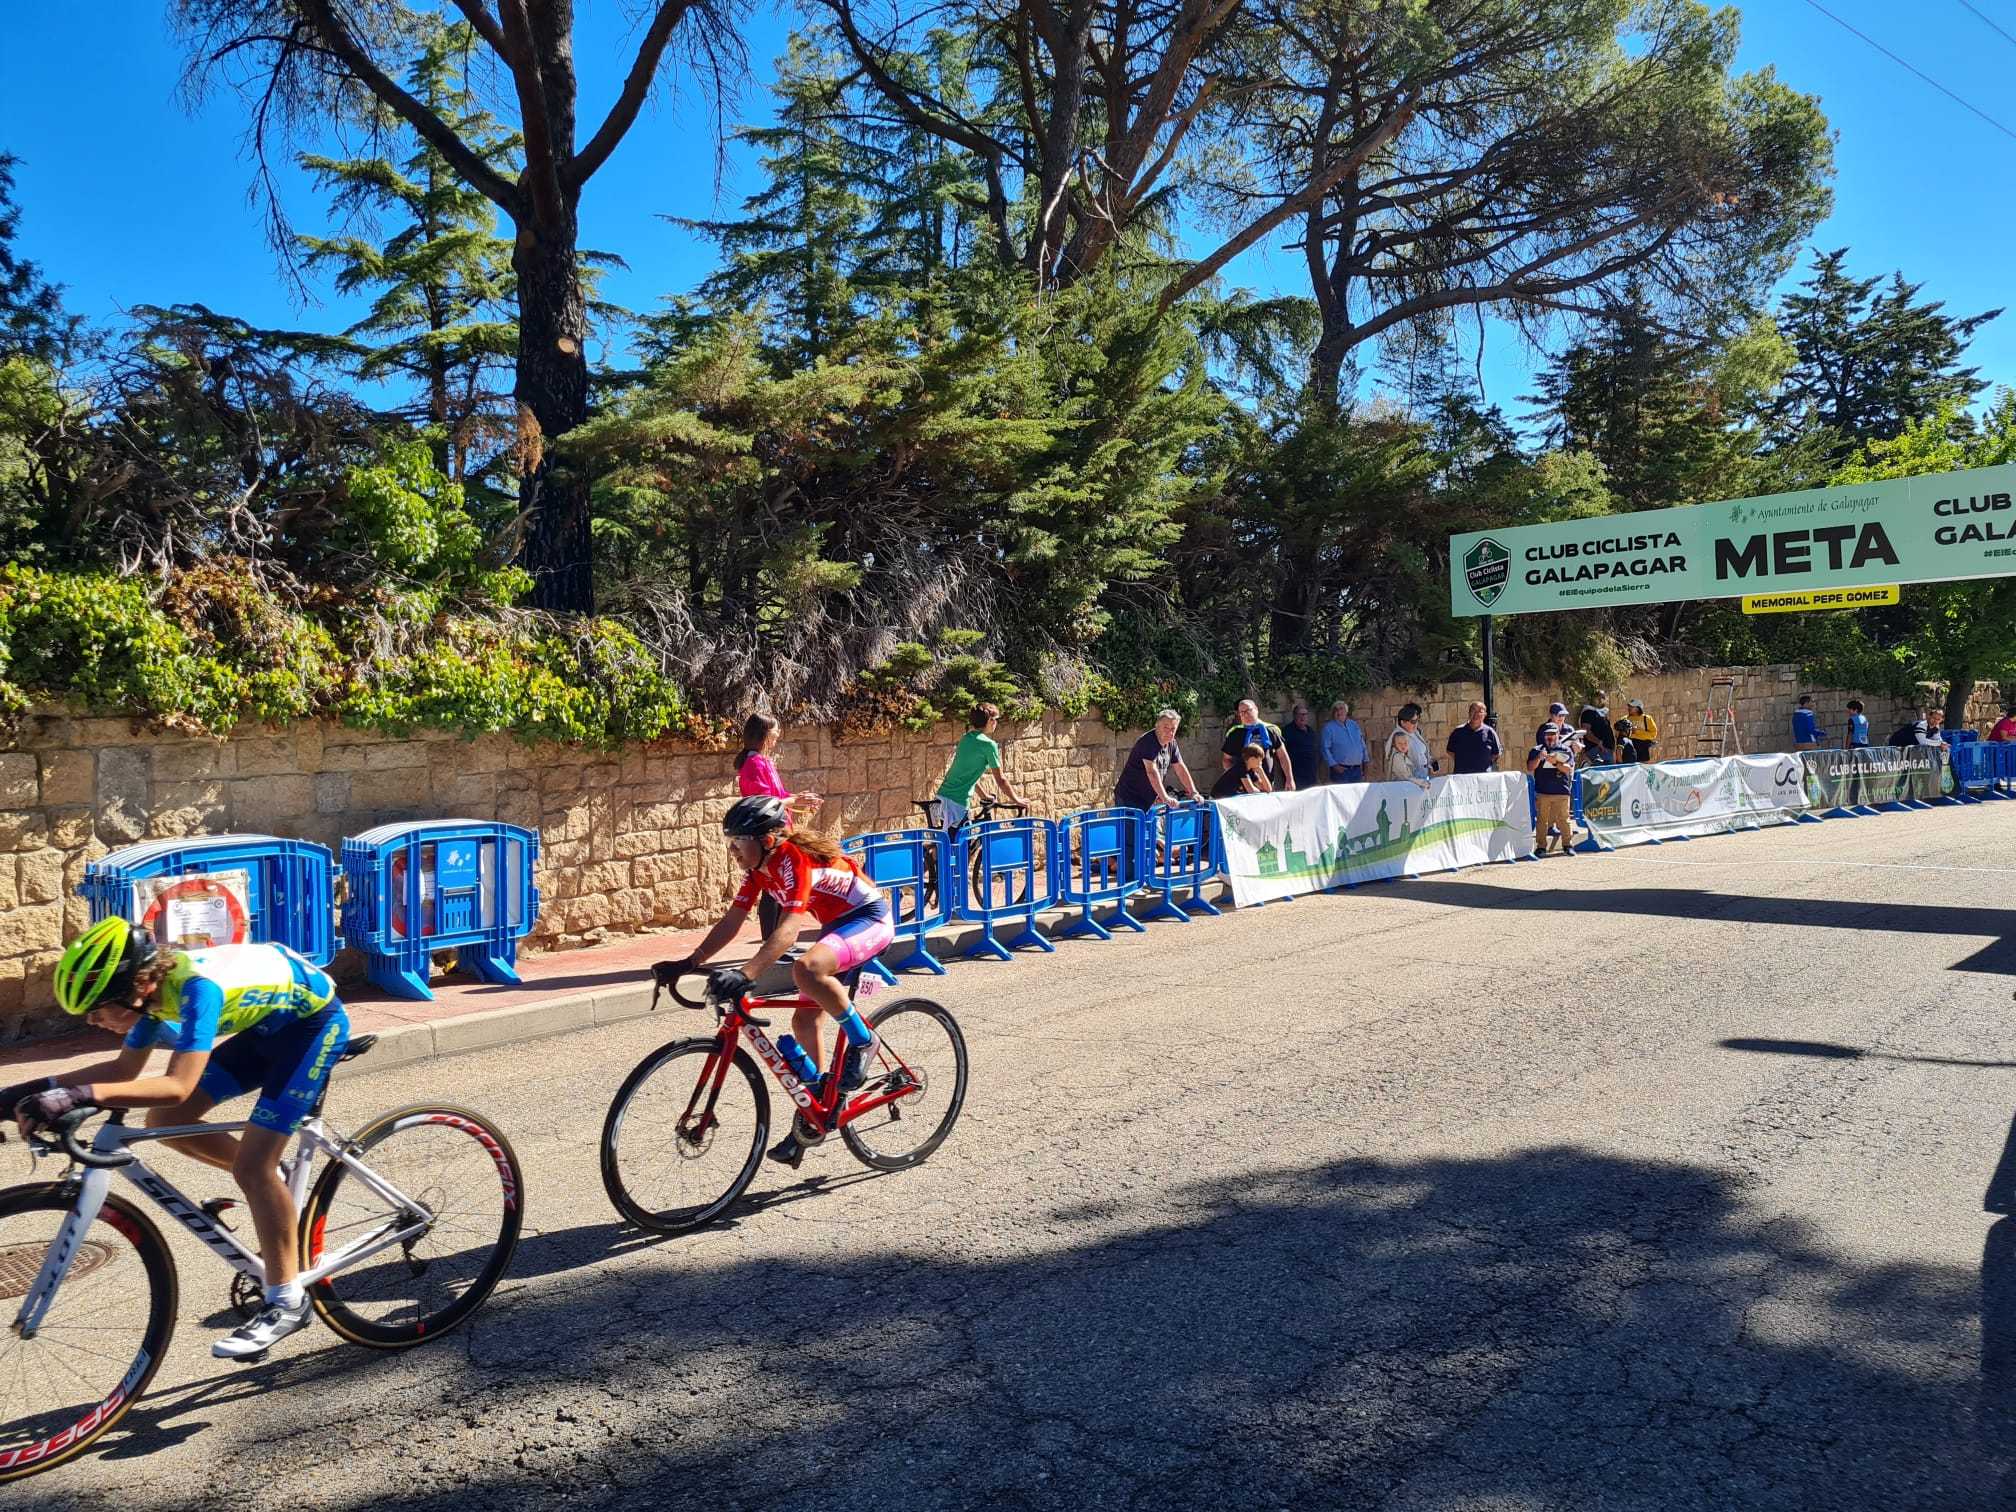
[827, 890]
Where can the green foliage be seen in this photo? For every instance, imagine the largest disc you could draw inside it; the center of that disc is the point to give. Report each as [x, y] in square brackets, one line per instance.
[405, 516]
[917, 685]
[596, 685]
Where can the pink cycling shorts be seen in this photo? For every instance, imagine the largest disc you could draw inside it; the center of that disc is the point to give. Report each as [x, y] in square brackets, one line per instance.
[862, 935]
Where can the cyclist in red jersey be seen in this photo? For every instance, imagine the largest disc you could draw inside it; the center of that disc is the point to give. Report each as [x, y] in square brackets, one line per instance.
[806, 874]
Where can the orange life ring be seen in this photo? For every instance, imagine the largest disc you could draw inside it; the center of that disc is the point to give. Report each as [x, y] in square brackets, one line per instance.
[199, 887]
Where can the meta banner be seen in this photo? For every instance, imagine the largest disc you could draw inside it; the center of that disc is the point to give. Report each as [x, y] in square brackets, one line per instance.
[1938, 528]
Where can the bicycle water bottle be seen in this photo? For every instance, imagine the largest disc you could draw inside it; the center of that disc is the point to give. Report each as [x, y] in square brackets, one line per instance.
[796, 1058]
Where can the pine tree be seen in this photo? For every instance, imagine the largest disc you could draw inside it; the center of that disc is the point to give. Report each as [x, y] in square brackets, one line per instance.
[32, 322]
[1869, 364]
[443, 316]
[794, 248]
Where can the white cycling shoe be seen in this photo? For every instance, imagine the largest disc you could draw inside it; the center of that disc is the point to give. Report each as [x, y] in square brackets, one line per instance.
[274, 1323]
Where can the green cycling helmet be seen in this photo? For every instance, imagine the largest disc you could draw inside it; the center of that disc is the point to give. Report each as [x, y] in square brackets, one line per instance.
[104, 959]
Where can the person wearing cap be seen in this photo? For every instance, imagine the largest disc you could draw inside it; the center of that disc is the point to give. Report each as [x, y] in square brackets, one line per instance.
[1644, 729]
[1557, 716]
[1552, 767]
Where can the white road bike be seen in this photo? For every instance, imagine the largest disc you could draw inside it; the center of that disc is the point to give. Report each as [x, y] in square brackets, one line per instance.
[406, 1228]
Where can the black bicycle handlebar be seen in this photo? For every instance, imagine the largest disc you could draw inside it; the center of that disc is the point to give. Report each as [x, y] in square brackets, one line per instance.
[60, 1138]
[667, 975]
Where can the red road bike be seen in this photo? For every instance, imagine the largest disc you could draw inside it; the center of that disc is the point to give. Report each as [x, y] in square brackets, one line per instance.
[687, 1129]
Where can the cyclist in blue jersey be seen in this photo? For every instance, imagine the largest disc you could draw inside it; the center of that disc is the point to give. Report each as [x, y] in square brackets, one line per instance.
[285, 1027]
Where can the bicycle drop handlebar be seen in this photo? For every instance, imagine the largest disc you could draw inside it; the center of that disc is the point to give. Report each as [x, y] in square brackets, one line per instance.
[60, 1138]
[666, 976]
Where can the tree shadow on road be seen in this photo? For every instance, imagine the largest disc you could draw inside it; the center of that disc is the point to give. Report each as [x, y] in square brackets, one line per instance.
[1550, 1328]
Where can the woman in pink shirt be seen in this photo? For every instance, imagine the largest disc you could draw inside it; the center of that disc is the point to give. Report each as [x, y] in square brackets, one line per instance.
[756, 772]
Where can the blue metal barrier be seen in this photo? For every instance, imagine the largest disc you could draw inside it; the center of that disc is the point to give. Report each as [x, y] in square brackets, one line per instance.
[911, 866]
[1011, 864]
[289, 889]
[1973, 769]
[439, 884]
[2005, 768]
[1179, 850]
[1099, 861]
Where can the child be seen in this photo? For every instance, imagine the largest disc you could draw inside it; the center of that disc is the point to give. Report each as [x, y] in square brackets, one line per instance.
[805, 874]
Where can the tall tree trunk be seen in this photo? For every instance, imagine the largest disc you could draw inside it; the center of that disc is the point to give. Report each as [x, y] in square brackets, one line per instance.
[1326, 364]
[552, 393]
[1958, 693]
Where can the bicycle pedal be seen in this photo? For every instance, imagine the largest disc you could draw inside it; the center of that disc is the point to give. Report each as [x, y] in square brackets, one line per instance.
[216, 1208]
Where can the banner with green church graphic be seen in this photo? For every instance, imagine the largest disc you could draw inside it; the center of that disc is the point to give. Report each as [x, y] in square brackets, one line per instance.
[1280, 844]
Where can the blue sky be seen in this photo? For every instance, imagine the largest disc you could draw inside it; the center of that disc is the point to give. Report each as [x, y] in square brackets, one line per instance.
[131, 196]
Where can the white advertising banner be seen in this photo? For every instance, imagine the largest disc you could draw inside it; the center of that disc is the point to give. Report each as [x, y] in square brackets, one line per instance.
[1715, 795]
[1280, 844]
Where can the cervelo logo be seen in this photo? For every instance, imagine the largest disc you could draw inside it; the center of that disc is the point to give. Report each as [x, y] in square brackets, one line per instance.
[779, 1067]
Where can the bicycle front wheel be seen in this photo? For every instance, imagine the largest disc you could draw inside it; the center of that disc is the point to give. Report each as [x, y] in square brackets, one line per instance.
[102, 1338]
[920, 1068]
[457, 1182]
[684, 1136]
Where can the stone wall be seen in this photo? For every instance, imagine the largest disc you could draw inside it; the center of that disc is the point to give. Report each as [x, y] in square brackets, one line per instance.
[629, 840]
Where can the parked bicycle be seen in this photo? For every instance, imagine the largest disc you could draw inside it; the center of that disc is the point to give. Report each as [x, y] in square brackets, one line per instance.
[404, 1233]
[687, 1128]
[1006, 888]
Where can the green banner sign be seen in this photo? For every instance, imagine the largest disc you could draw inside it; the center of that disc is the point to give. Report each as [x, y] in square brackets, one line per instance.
[1932, 529]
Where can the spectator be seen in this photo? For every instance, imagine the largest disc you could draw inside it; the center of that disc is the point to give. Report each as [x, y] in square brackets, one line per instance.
[1252, 730]
[1858, 727]
[1597, 732]
[756, 770]
[1557, 716]
[1595, 716]
[2005, 727]
[1805, 725]
[1343, 745]
[1644, 730]
[1152, 765]
[1598, 745]
[1626, 753]
[1408, 722]
[1250, 776]
[1299, 739]
[756, 775]
[1398, 757]
[1924, 731]
[977, 756]
[1474, 747]
[1552, 769]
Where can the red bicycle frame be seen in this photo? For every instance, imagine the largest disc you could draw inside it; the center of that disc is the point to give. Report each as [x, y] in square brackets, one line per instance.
[893, 1081]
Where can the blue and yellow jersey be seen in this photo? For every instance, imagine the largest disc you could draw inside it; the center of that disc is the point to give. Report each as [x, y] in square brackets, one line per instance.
[209, 994]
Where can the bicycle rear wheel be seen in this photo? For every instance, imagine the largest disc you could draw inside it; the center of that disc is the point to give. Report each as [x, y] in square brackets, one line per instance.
[102, 1338]
[676, 1150]
[452, 1166]
[922, 1058]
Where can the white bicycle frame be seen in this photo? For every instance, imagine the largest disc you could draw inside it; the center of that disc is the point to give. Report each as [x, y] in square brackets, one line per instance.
[111, 1140]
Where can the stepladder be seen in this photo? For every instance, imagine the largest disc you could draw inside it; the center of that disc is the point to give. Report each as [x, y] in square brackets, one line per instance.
[1719, 734]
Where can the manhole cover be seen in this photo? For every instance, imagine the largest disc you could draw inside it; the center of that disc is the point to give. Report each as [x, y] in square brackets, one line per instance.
[20, 1264]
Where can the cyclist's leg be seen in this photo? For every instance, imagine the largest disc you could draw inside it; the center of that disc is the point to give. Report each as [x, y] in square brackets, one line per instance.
[851, 942]
[298, 1059]
[218, 1150]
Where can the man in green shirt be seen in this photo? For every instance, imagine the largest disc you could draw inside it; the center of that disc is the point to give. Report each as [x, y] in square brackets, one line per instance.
[976, 757]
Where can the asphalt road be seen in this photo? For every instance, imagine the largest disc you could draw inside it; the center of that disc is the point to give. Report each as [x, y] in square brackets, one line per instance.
[1644, 1181]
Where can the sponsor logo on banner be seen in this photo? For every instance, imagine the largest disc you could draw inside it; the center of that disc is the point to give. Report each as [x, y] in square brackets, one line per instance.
[1631, 805]
[1280, 844]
